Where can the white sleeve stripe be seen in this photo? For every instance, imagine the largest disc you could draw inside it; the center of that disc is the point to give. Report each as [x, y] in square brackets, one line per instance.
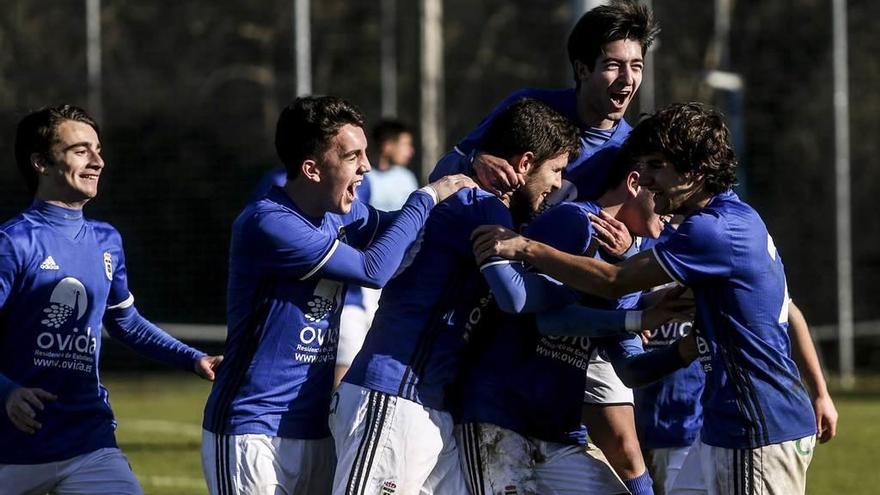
[665, 268]
[323, 261]
[127, 303]
[457, 150]
[493, 263]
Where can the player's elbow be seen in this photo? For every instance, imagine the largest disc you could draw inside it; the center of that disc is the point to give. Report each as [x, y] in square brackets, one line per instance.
[510, 303]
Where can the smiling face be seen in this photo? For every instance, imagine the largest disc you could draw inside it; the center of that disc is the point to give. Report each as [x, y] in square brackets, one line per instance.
[607, 90]
[540, 181]
[70, 171]
[342, 167]
[674, 192]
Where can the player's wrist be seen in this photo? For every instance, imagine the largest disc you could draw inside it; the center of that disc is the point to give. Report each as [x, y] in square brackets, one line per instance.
[430, 191]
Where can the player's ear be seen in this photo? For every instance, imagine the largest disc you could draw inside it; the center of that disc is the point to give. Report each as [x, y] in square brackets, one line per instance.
[309, 169]
[523, 163]
[581, 69]
[39, 163]
[632, 183]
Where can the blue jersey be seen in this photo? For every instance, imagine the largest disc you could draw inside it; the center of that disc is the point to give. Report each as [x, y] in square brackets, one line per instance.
[753, 395]
[534, 384]
[668, 412]
[425, 314]
[278, 177]
[287, 278]
[588, 172]
[59, 272]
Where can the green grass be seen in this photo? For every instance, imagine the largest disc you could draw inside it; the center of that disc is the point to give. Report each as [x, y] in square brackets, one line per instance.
[160, 431]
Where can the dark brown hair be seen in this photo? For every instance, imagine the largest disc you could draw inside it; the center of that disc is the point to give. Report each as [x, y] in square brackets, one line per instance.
[529, 125]
[306, 126]
[693, 137]
[38, 131]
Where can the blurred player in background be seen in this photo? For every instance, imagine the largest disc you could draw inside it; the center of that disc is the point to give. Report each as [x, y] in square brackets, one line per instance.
[606, 49]
[393, 423]
[759, 426]
[291, 256]
[63, 277]
[392, 180]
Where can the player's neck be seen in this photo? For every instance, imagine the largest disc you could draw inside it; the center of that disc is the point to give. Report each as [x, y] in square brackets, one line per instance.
[304, 197]
[70, 204]
[587, 116]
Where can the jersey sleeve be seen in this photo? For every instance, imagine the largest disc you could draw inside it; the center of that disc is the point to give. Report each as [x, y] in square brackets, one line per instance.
[698, 252]
[363, 224]
[114, 265]
[9, 267]
[564, 227]
[374, 266]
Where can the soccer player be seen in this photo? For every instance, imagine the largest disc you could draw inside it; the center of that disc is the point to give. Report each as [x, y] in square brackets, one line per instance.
[392, 421]
[606, 49]
[758, 425]
[359, 307]
[292, 254]
[523, 395]
[63, 276]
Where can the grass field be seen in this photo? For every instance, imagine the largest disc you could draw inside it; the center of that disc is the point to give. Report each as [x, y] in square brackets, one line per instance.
[160, 416]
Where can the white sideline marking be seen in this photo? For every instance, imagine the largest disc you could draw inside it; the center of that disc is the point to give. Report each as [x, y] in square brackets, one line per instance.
[173, 481]
[188, 430]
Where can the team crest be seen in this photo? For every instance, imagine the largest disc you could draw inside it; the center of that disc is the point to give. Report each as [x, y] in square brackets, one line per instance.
[108, 266]
[389, 487]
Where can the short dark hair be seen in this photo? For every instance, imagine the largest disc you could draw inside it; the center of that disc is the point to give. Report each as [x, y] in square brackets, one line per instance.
[38, 131]
[529, 125]
[389, 130]
[693, 137]
[306, 126]
[622, 19]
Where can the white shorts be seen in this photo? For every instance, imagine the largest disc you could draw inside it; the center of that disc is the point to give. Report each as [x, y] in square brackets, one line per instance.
[389, 445]
[778, 469]
[266, 465]
[603, 387]
[664, 465]
[354, 322]
[499, 461]
[104, 471]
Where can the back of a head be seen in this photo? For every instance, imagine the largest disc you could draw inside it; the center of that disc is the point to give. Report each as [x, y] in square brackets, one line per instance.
[36, 133]
[306, 127]
[621, 19]
[529, 125]
[693, 137]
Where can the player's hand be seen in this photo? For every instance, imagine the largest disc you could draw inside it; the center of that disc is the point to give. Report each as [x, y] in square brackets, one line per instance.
[496, 174]
[826, 417]
[675, 303]
[672, 310]
[449, 185]
[206, 366]
[611, 234]
[22, 405]
[495, 240]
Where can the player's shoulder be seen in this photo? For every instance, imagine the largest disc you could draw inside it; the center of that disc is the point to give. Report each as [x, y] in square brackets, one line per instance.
[569, 211]
[563, 100]
[17, 226]
[104, 231]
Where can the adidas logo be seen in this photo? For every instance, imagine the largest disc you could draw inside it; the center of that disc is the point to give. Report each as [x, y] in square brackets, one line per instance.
[49, 264]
